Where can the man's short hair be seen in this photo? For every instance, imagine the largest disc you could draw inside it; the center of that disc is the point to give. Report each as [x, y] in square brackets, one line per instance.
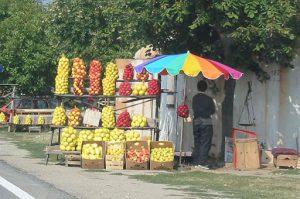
[202, 86]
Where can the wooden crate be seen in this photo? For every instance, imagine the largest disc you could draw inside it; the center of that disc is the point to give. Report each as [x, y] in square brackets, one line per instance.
[109, 162]
[286, 161]
[94, 164]
[72, 160]
[137, 145]
[247, 154]
[114, 165]
[154, 165]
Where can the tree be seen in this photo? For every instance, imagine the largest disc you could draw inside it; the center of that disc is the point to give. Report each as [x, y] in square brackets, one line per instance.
[93, 29]
[25, 53]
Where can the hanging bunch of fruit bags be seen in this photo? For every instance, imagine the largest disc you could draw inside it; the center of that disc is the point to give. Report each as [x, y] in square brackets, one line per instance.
[62, 77]
[95, 77]
[78, 73]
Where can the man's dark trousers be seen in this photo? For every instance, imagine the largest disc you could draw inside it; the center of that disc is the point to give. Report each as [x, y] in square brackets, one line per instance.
[202, 143]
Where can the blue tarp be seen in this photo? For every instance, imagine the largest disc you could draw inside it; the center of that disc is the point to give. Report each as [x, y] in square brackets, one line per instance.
[1, 68]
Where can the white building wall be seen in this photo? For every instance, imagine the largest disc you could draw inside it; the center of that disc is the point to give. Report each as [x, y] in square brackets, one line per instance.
[276, 105]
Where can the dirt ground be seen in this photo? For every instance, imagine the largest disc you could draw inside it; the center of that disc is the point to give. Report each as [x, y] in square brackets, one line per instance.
[132, 184]
[83, 184]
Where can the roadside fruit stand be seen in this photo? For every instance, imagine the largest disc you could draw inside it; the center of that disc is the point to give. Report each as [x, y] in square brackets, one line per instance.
[112, 133]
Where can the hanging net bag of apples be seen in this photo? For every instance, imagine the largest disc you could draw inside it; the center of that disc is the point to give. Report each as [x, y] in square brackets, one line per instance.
[183, 109]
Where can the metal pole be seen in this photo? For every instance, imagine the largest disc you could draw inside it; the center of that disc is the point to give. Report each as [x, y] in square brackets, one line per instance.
[182, 123]
[12, 103]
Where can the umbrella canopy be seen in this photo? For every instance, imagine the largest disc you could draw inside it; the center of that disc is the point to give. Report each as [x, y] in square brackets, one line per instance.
[189, 64]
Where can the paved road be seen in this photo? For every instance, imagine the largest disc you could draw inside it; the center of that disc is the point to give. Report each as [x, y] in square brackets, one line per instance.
[4, 193]
[30, 185]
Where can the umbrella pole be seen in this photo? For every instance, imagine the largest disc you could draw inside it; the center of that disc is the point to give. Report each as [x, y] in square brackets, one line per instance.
[181, 133]
[180, 153]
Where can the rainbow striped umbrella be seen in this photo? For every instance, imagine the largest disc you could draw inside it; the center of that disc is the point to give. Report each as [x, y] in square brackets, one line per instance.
[189, 64]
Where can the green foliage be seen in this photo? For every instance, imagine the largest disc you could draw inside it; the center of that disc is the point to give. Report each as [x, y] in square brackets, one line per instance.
[264, 29]
[237, 32]
[94, 29]
[24, 49]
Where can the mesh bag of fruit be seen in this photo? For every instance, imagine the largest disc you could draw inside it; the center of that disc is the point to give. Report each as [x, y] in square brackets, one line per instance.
[183, 110]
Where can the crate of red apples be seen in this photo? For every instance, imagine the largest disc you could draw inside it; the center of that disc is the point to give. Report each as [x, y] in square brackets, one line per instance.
[137, 155]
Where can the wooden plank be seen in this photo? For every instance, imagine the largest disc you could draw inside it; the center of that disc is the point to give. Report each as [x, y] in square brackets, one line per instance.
[86, 127]
[105, 96]
[73, 156]
[31, 111]
[72, 160]
[93, 164]
[71, 152]
[53, 150]
[240, 156]
[73, 163]
[114, 165]
[251, 155]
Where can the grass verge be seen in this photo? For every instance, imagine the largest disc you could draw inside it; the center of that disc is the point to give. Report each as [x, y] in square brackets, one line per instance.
[211, 185]
[34, 143]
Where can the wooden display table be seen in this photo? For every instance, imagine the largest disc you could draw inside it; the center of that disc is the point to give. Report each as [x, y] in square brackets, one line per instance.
[53, 147]
[14, 127]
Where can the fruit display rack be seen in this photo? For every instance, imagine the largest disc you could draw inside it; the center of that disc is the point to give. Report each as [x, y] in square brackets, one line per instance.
[54, 145]
[107, 97]
[103, 98]
[79, 92]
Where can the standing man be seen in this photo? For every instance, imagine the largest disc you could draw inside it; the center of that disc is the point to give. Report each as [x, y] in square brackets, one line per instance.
[203, 108]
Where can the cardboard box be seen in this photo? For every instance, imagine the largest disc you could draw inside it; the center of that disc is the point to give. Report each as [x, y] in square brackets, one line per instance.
[154, 165]
[94, 164]
[137, 145]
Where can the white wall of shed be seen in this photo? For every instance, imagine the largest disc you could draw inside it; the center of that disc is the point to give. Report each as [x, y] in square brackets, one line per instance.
[276, 105]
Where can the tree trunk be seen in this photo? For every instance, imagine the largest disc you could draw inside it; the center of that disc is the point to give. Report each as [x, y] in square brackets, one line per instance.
[227, 112]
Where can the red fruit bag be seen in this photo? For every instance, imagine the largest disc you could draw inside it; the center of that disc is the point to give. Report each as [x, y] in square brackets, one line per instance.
[128, 72]
[183, 111]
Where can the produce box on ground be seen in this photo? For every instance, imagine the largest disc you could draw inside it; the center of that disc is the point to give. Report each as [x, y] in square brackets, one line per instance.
[137, 155]
[162, 155]
[115, 155]
[72, 160]
[92, 155]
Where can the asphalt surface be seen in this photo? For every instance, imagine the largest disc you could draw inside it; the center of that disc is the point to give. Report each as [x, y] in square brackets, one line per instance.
[4, 193]
[30, 184]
